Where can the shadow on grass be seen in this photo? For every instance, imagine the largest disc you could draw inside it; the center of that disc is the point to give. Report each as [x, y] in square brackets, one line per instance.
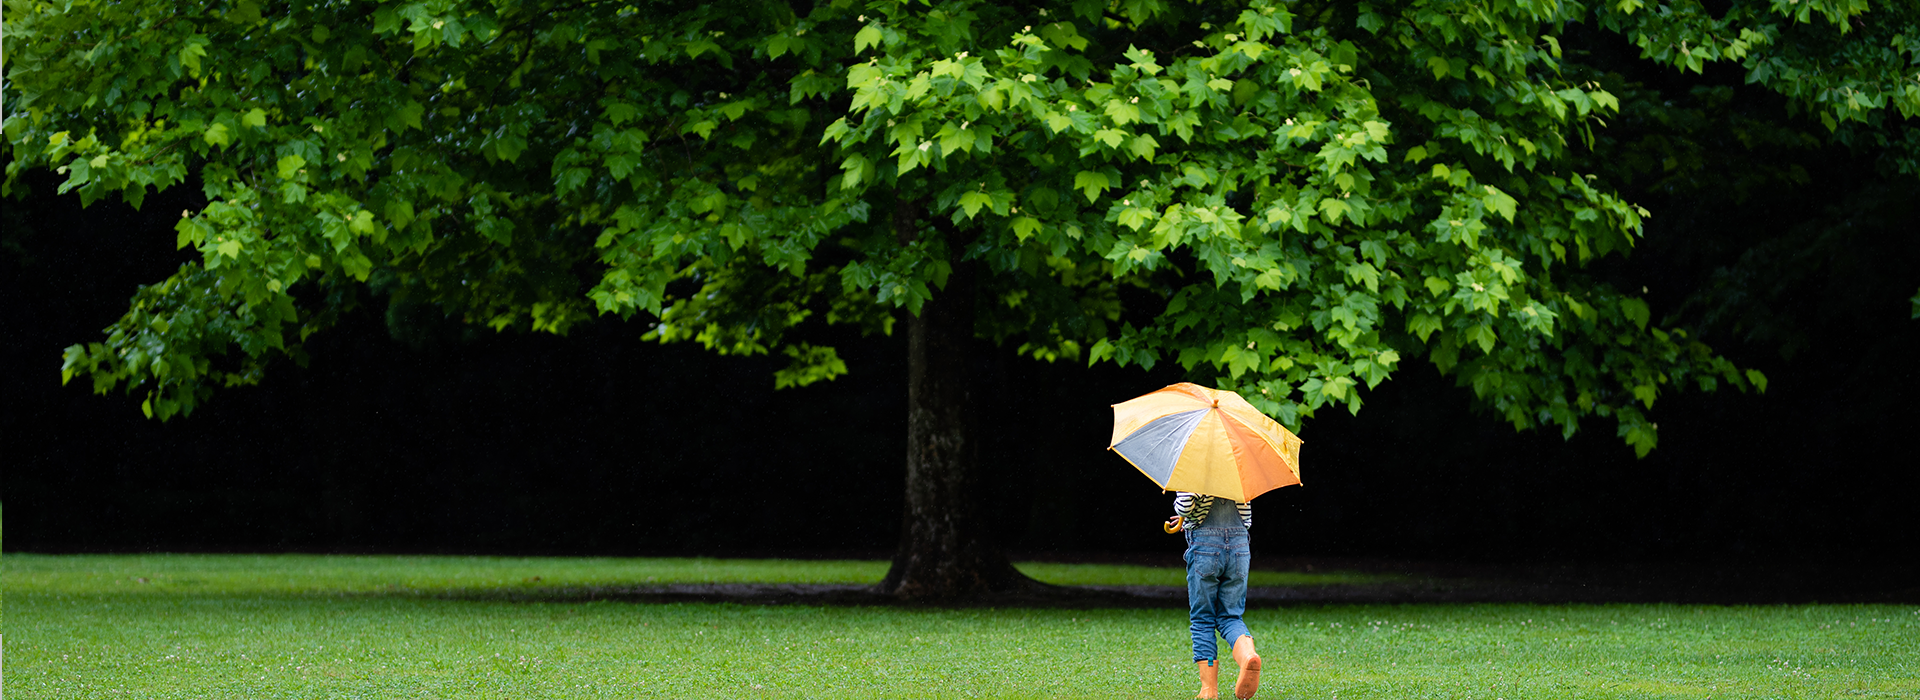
[1099, 581]
[1400, 583]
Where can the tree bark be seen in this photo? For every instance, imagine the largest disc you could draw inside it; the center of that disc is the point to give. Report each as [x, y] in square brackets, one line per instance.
[946, 549]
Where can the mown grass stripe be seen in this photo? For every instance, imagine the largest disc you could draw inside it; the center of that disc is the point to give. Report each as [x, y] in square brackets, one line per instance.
[219, 631]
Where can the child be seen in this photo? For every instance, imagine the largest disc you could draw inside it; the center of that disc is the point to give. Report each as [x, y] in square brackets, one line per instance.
[1217, 559]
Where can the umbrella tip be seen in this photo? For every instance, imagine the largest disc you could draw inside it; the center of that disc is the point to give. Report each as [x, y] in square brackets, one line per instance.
[1216, 403]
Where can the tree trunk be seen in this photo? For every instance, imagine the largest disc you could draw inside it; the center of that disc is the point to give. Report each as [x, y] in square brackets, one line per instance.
[946, 548]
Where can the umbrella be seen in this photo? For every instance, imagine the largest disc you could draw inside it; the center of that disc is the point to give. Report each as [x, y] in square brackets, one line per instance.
[1187, 437]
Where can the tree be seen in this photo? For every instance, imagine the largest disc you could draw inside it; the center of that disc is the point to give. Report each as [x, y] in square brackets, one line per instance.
[1285, 198]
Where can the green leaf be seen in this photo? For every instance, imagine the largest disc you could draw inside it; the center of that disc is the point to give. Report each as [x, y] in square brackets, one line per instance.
[1063, 34]
[1143, 146]
[356, 265]
[406, 116]
[255, 118]
[1365, 274]
[1423, 325]
[1344, 54]
[1092, 183]
[1645, 393]
[1501, 202]
[247, 12]
[509, 147]
[1371, 22]
[229, 248]
[782, 43]
[1759, 380]
[290, 166]
[1336, 388]
[1332, 209]
[1636, 311]
[857, 169]
[955, 141]
[1025, 226]
[1641, 435]
[1377, 132]
[190, 54]
[868, 36]
[971, 202]
[810, 363]
[400, 212]
[620, 165]
[362, 222]
[1375, 251]
[1142, 60]
[1058, 122]
[618, 113]
[217, 135]
[1483, 334]
[835, 131]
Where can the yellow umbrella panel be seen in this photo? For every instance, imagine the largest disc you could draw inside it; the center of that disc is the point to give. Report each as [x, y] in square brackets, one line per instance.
[1187, 437]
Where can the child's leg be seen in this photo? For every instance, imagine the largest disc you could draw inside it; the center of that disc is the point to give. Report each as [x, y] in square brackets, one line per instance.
[1205, 564]
[1202, 619]
[1233, 605]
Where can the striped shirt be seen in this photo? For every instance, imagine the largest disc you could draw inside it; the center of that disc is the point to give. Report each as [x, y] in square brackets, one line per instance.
[1193, 508]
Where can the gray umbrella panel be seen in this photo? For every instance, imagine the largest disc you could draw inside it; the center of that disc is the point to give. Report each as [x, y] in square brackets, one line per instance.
[1156, 446]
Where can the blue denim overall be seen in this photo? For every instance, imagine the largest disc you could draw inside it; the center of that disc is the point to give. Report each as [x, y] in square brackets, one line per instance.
[1217, 560]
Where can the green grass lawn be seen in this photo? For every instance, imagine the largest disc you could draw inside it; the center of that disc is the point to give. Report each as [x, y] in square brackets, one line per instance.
[449, 627]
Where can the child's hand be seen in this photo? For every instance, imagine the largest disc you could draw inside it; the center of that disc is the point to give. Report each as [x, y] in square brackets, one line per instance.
[1172, 525]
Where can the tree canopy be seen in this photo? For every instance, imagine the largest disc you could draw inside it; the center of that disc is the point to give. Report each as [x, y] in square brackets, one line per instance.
[1287, 198]
[1301, 194]
[1304, 194]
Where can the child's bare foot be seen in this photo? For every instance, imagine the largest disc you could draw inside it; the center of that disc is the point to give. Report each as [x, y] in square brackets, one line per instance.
[1249, 661]
[1209, 680]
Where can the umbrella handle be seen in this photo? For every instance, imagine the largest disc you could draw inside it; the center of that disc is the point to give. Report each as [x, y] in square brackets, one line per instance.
[1172, 525]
